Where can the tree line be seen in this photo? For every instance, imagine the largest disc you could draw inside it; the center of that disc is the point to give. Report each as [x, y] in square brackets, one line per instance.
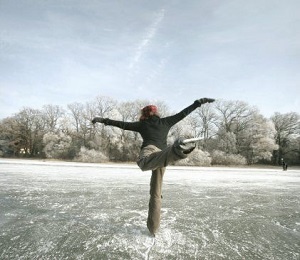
[233, 132]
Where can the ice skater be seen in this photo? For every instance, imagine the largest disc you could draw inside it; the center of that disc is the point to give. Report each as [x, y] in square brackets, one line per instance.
[155, 154]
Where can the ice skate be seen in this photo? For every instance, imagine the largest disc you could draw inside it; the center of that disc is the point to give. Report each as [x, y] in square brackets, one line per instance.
[191, 140]
[185, 146]
[189, 144]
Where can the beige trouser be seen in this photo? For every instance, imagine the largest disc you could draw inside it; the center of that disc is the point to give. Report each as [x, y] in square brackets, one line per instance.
[152, 158]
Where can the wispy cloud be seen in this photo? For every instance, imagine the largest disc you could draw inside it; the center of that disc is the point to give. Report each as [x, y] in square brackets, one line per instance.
[150, 34]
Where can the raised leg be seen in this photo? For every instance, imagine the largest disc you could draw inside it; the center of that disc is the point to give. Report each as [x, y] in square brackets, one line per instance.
[152, 157]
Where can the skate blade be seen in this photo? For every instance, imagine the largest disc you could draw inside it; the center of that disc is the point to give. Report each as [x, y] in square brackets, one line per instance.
[191, 140]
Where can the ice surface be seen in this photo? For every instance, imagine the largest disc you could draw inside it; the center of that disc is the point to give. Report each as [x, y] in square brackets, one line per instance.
[55, 210]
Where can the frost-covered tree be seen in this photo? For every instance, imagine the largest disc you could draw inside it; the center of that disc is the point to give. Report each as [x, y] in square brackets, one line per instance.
[258, 140]
[287, 128]
[233, 117]
[227, 142]
[56, 145]
[10, 144]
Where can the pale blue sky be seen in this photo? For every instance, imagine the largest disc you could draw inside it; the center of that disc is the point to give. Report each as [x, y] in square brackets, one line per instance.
[62, 51]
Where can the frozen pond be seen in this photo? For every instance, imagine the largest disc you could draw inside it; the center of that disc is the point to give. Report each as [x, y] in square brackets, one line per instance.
[55, 210]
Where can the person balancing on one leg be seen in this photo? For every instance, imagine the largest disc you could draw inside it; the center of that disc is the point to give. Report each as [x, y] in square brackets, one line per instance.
[155, 154]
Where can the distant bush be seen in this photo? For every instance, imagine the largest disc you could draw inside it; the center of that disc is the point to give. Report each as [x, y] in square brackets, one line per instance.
[90, 156]
[196, 158]
[222, 158]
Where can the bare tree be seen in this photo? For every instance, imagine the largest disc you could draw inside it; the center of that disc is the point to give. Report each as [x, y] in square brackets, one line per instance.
[51, 115]
[257, 140]
[76, 113]
[207, 119]
[233, 116]
[104, 107]
[10, 137]
[129, 112]
[31, 129]
[204, 124]
[294, 155]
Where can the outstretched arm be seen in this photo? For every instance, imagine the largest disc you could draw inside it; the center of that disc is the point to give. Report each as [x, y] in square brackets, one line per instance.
[133, 126]
[172, 120]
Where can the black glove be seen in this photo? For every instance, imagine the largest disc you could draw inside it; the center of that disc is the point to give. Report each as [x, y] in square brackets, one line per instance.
[99, 120]
[202, 101]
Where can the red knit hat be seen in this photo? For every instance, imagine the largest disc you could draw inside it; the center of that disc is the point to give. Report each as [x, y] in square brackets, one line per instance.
[148, 111]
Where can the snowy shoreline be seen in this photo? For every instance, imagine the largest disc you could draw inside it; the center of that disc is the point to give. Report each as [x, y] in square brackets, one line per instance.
[133, 164]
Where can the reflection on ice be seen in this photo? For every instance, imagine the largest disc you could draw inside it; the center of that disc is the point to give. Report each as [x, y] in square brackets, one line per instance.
[55, 210]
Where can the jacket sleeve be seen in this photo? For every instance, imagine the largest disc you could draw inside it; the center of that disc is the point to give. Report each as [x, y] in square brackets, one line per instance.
[132, 126]
[172, 120]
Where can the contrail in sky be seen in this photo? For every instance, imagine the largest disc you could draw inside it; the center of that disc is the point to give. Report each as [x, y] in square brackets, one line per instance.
[147, 39]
